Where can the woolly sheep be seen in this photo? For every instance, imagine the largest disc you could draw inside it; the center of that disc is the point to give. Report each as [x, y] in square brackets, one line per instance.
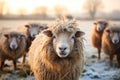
[111, 42]
[12, 46]
[32, 29]
[57, 53]
[96, 34]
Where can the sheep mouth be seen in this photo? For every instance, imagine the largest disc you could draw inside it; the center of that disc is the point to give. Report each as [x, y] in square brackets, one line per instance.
[99, 30]
[32, 38]
[13, 48]
[62, 55]
[115, 42]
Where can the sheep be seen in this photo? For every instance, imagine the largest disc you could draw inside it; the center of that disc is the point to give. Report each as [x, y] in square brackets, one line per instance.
[96, 34]
[32, 30]
[12, 46]
[111, 42]
[57, 53]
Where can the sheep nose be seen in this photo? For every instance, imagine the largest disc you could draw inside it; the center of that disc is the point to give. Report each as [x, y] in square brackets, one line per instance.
[14, 46]
[99, 29]
[116, 41]
[34, 35]
[62, 48]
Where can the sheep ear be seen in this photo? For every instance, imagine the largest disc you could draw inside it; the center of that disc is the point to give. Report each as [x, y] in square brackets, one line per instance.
[48, 33]
[106, 23]
[108, 30]
[79, 34]
[27, 26]
[6, 35]
[45, 27]
[95, 23]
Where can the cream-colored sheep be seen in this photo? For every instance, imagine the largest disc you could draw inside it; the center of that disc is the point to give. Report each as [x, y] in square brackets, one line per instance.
[57, 53]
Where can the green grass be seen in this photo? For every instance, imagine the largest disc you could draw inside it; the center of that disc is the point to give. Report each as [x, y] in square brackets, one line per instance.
[116, 78]
[5, 72]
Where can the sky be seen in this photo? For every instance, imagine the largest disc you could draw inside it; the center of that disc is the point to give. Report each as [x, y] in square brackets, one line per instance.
[74, 6]
[111, 5]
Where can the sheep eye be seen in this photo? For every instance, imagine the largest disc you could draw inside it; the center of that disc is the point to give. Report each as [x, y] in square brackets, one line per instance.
[54, 37]
[73, 37]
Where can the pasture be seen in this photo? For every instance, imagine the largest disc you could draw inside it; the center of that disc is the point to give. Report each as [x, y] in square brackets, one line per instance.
[93, 70]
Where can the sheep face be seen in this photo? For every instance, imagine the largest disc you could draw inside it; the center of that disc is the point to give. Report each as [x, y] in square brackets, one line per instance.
[114, 36]
[34, 29]
[100, 26]
[63, 42]
[14, 40]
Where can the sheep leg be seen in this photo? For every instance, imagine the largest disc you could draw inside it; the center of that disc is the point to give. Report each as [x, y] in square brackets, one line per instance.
[14, 63]
[118, 60]
[111, 59]
[99, 51]
[1, 64]
[24, 56]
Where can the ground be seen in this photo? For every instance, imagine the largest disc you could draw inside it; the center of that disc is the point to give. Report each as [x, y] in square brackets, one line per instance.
[100, 69]
[93, 70]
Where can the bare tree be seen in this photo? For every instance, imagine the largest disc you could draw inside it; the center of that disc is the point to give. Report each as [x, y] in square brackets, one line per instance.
[42, 10]
[60, 10]
[93, 6]
[22, 11]
[2, 4]
[8, 12]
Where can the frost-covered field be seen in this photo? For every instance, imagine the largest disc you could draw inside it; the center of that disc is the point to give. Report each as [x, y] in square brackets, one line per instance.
[94, 69]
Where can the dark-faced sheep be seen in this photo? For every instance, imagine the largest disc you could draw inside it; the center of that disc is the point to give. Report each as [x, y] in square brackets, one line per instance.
[32, 30]
[96, 35]
[57, 53]
[111, 42]
[12, 46]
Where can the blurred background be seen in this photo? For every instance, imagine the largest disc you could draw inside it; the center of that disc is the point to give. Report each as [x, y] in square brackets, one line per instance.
[15, 13]
[50, 9]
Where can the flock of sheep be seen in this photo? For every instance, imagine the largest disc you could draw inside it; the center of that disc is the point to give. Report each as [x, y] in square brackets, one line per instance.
[106, 36]
[55, 51]
[15, 42]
